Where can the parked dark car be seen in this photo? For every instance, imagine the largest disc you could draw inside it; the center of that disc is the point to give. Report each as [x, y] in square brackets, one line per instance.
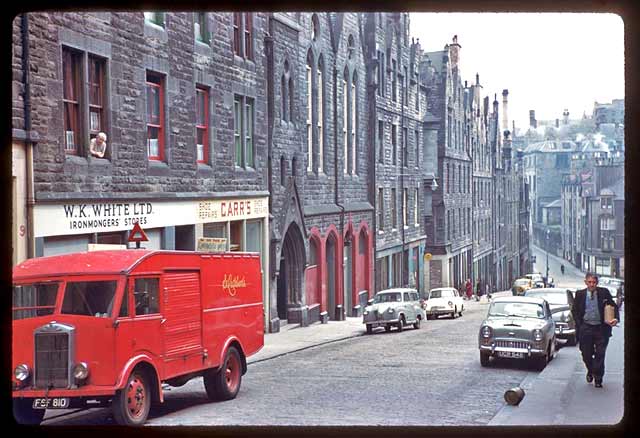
[561, 302]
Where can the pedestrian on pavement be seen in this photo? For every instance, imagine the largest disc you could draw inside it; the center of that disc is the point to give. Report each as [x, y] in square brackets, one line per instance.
[562, 269]
[592, 331]
[469, 288]
[478, 291]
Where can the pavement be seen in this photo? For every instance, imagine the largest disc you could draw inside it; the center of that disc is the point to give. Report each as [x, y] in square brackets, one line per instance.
[559, 395]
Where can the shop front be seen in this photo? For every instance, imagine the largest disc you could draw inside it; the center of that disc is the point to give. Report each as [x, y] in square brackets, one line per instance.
[235, 224]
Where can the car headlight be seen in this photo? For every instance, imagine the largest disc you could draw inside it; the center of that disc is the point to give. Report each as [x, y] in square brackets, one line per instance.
[22, 372]
[81, 371]
[450, 304]
[486, 331]
[391, 310]
[537, 335]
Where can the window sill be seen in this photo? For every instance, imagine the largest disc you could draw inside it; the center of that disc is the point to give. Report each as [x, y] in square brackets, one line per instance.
[96, 161]
[157, 168]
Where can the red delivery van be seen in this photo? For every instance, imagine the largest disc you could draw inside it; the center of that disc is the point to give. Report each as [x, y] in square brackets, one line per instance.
[110, 327]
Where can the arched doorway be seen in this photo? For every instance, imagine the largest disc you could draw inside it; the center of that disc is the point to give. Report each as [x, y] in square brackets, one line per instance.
[292, 261]
[330, 259]
[349, 269]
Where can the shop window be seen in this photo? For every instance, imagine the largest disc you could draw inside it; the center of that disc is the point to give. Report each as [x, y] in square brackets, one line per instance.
[202, 125]
[146, 296]
[155, 117]
[254, 236]
[236, 243]
[215, 229]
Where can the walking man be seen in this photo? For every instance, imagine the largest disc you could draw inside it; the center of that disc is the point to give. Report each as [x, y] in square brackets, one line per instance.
[592, 330]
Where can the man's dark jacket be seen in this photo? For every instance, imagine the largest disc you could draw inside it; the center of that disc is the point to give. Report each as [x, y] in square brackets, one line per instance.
[604, 297]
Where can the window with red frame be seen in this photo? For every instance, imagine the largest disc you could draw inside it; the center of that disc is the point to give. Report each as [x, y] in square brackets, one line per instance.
[96, 96]
[155, 116]
[71, 62]
[202, 125]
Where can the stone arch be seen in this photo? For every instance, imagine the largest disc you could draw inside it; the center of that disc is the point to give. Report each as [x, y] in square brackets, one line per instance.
[291, 268]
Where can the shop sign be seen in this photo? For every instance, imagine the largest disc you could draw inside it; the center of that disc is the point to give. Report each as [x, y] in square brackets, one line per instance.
[100, 217]
[212, 244]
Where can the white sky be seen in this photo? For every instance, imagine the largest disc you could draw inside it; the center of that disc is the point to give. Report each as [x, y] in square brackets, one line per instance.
[548, 61]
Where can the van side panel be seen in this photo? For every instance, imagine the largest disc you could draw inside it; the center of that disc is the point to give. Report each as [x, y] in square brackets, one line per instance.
[182, 330]
[232, 303]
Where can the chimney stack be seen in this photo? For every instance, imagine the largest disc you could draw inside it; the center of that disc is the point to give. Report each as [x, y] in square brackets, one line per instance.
[532, 119]
[454, 52]
[505, 115]
[557, 123]
[565, 117]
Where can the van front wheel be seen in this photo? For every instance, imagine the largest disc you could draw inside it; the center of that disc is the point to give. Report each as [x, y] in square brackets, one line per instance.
[224, 383]
[132, 404]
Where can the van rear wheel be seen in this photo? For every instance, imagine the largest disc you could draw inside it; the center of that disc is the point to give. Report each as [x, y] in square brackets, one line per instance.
[224, 383]
[132, 404]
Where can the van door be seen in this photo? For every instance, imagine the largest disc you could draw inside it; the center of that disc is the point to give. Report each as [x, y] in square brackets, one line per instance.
[182, 324]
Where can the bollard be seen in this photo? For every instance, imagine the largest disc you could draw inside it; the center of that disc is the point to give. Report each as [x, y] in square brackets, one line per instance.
[514, 396]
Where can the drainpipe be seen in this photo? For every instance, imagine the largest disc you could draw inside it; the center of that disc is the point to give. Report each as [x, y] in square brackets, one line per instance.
[336, 180]
[268, 47]
[402, 167]
[28, 141]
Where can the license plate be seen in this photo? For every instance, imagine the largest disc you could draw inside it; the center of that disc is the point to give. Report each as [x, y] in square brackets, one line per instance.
[512, 354]
[51, 403]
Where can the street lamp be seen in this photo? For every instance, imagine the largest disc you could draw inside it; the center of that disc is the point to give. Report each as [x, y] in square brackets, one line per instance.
[546, 278]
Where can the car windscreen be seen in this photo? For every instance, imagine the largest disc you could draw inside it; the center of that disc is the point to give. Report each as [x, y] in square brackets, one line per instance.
[91, 298]
[519, 309]
[388, 298]
[31, 300]
[551, 297]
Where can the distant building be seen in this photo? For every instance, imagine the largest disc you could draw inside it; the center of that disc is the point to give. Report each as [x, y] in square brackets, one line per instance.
[609, 113]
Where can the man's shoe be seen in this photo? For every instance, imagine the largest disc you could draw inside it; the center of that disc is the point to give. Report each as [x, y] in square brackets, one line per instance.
[598, 385]
[589, 378]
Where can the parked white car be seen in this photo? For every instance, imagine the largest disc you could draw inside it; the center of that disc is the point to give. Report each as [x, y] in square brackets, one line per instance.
[444, 301]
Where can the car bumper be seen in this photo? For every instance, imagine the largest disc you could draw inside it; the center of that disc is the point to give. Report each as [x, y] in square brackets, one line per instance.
[382, 323]
[438, 311]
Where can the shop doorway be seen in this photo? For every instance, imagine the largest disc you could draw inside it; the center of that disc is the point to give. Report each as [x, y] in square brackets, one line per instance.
[292, 261]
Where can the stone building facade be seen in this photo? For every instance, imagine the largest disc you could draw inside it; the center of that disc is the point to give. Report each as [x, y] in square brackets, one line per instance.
[449, 235]
[321, 235]
[398, 102]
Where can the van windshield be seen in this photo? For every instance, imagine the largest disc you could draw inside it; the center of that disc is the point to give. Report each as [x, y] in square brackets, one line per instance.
[31, 300]
[90, 298]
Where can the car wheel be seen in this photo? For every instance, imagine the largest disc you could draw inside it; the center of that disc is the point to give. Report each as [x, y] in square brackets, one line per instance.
[401, 324]
[541, 362]
[387, 328]
[416, 325]
[132, 403]
[453, 314]
[485, 358]
[24, 413]
[224, 383]
[369, 329]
